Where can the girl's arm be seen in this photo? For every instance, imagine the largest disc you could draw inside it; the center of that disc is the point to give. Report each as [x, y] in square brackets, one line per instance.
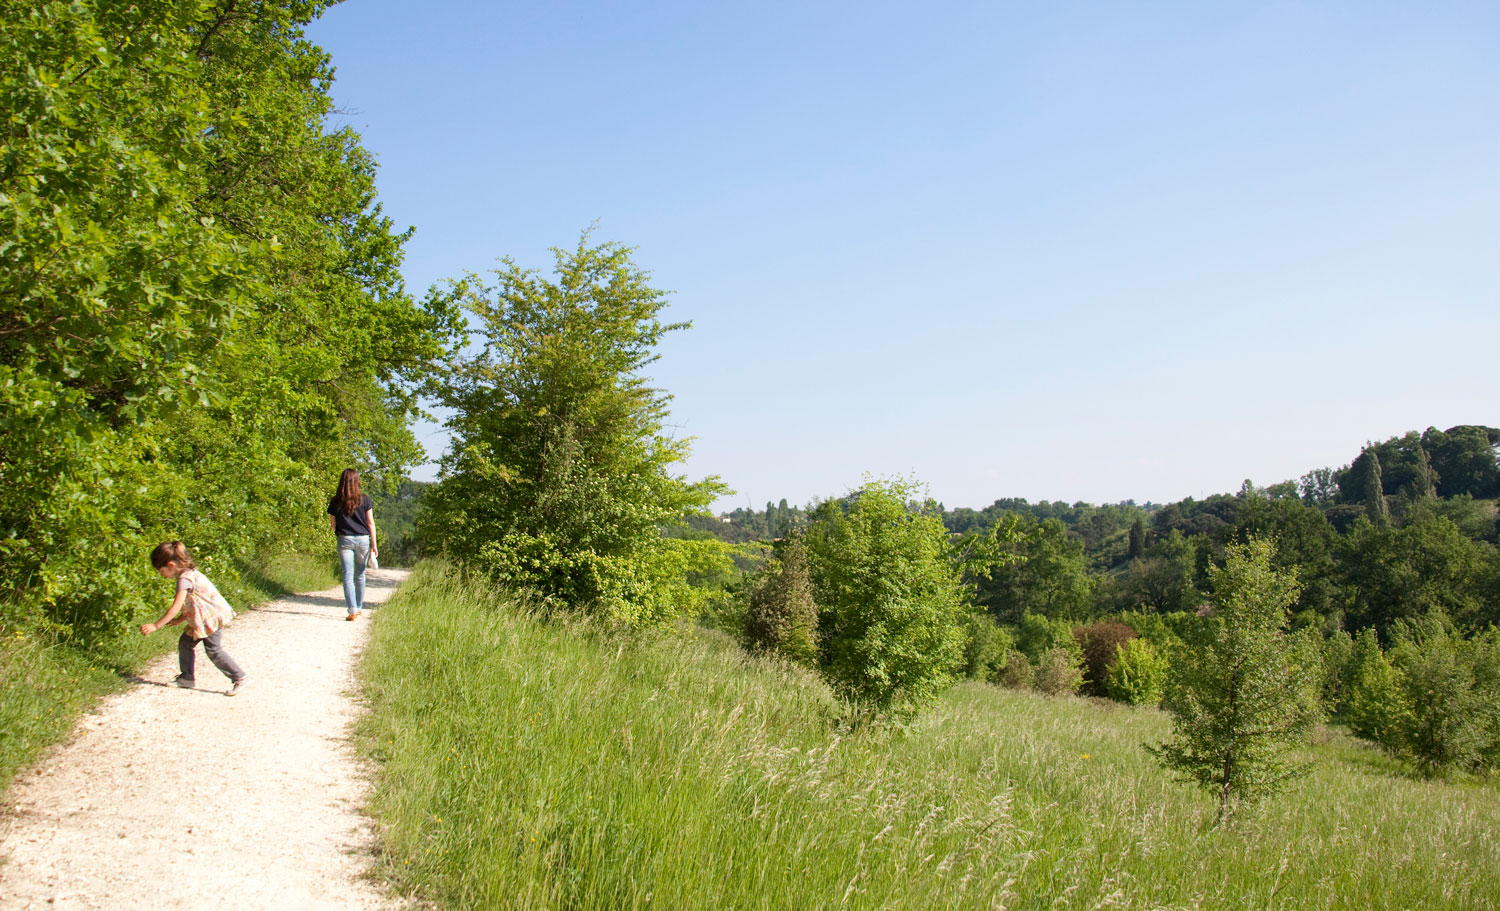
[333, 524]
[169, 618]
[370, 521]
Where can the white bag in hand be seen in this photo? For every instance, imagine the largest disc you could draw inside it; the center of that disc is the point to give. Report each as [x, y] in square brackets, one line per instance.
[373, 562]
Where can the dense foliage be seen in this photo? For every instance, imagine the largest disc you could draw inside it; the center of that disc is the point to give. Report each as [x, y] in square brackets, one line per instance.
[891, 602]
[1434, 698]
[782, 616]
[559, 476]
[201, 317]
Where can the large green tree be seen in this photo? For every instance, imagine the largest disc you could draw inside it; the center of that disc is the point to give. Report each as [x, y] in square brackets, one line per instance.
[560, 472]
[1464, 458]
[1047, 574]
[201, 318]
[1305, 544]
[1429, 565]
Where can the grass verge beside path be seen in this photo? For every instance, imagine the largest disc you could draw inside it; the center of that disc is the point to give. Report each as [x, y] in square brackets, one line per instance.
[531, 764]
[45, 686]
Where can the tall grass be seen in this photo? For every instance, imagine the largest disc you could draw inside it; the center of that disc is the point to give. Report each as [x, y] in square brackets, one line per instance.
[533, 764]
[45, 684]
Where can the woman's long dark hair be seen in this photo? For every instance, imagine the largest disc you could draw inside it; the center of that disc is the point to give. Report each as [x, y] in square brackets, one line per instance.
[350, 495]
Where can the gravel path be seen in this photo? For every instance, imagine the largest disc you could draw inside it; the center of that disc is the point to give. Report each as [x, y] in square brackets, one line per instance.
[182, 799]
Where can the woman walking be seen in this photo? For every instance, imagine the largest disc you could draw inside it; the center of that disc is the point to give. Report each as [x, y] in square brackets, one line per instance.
[351, 516]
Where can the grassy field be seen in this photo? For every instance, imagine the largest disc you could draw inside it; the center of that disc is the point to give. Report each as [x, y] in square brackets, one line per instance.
[44, 686]
[528, 764]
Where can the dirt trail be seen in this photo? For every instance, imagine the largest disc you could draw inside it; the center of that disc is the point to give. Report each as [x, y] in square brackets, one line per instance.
[173, 799]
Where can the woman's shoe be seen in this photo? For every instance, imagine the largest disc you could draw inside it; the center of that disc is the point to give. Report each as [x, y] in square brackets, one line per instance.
[354, 616]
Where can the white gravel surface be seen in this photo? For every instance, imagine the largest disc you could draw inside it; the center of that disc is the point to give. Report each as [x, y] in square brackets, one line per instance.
[172, 799]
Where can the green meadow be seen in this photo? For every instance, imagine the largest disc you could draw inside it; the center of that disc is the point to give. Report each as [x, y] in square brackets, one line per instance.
[526, 762]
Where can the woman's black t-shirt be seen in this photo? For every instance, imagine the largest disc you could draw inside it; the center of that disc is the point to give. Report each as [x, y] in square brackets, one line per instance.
[345, 524]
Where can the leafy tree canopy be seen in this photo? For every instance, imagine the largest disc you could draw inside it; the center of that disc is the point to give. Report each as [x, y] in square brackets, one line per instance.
[893, 607]
[560, 474]
[203, 319]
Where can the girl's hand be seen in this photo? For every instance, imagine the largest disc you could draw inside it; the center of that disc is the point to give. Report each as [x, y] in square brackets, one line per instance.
[148, 628]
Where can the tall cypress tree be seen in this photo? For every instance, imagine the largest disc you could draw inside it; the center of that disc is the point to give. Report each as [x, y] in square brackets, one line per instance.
[1424, 484]
[1368, 486]
[1137, 539]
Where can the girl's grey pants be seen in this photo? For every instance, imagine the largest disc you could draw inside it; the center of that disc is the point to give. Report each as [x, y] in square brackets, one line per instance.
[216, 654]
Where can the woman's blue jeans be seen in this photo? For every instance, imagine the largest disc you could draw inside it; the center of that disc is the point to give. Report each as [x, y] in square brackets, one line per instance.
[354, 553]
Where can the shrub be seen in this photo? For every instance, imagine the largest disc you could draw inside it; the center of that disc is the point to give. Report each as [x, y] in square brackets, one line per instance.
[1449, 686]
[1433, 699]
[1018, 672]
[1485, 655]
[891, 602]
[1150, 626]
[1374, 700]
[1138, 675]
[782, 616]
[1336, 651]
[986, 648]
[1059, 673]
[1099, 643]
[1037, 634]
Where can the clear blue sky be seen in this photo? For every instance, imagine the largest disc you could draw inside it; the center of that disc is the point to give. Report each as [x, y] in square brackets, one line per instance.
[1077, 251]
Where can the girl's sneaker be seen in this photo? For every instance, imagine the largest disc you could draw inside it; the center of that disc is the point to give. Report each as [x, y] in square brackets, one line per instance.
[235, 687]
[184, 682]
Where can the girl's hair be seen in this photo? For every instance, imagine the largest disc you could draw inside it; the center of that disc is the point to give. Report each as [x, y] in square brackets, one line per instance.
[350, 495]
[172, 552]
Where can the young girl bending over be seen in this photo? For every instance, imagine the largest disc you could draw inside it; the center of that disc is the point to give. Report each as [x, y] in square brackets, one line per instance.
[201, 608]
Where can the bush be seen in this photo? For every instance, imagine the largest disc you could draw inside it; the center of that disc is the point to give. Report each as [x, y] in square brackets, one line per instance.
[1374, 702]
[1449, 685]
[1433, 699]
[1037, 634]
[1018, 673]
[987, 647]
[1151, 626]
[1138, 675]
[1485, 658]
[892, 604]
[1059, 673]
[1099, 643]
[1336, 652]
[782, 617]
